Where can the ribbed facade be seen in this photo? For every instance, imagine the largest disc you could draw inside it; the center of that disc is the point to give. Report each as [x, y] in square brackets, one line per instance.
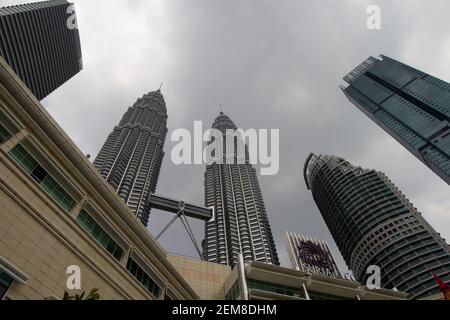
[409, 104]
[131, 158]
[374, 224]
[37, 43]
[241, 223]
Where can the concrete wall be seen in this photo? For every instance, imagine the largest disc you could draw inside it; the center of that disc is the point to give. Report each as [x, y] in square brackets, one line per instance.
[206, 278]
[39, 239]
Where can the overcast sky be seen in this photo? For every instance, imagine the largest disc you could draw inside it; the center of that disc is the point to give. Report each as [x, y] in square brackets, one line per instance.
[271, 64]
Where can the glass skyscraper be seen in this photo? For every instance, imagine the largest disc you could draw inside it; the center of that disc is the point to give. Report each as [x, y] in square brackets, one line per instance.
[40, 44]
[373, 223]
[241, 224]
[131, 158]
[409, 104]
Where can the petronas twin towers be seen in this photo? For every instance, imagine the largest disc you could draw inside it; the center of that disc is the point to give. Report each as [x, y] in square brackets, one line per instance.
[371, 221]
[241, 224]
[131, 159]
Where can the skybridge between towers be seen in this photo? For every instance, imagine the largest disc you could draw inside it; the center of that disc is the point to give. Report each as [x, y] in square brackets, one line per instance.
[182, 210]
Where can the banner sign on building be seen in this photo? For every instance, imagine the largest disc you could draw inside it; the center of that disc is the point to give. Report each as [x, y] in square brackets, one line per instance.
[311, 255]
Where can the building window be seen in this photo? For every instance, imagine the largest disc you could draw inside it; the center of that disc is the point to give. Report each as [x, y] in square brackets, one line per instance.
[234, 293]
[275, 288]
[167, 298]
[4, 134]
[323, 296]
[5, 283]
[141, 276]
[41, 176]
[100, 235]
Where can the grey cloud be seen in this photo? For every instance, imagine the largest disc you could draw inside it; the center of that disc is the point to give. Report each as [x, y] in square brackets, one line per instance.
[272, 65]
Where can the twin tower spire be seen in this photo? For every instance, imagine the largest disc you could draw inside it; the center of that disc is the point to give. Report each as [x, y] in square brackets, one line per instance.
[131, 159]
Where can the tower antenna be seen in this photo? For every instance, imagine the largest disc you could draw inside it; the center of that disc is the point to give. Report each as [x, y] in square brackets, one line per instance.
[160, 86]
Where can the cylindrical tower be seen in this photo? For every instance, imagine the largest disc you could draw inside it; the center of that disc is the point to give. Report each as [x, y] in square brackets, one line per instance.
[373, 223]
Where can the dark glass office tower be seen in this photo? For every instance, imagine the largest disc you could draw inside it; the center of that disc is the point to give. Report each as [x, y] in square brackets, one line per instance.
[131, 158]
[241, 224]
[36, 41]
[373, 223]
[409, 104]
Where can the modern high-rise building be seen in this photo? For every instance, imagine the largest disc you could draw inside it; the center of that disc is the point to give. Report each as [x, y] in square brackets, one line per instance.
[412, 106]
[56, 212]
[262, 281]
[241, 224]
[373, 223]
[131, 158]
[311, 255]
[41, 42]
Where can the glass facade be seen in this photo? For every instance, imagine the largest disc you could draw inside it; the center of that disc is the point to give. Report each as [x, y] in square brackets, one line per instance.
[313, 295]
[5, 283]
[100, 235]
[38, 45]
[373, 223]
[409, 104]
[234, 293]
[41, 176]
[141, 276]
[275, 288]
[4, 134]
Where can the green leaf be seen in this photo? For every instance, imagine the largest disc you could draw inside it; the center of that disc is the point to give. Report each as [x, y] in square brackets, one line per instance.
[93, 295]
[66, 296]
